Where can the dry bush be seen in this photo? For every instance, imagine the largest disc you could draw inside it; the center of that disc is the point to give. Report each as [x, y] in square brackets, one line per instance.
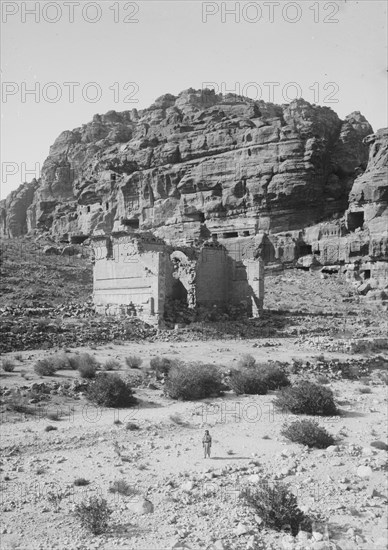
[8, 365]
[45, 367]
[307, 398]
[193, 381]
[162, 365]
[53, 416]
[109, 390]
[133, 361]
[131, 426]
[111, 364]
[60, 361]
[123, 488]
[248, 381]
[365, 389]
[81, 482]
[246, 361]
[87, 366]
[276, 505]
[50, 428]
[308, 432]
[93, 514]
[273, 376]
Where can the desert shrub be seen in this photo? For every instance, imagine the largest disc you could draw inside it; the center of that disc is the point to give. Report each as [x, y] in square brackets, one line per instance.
[87, 366]
[308, 432]
[193, 381]
[45, 367]
[19, 357]
[8, 365]
[61, 361]
[274, 377]
[162, 365]
[42, 324]
[365, 389]
[81, 482]
[53, 416]
[123, 488]
[73, 361]
[133, 361]
[109, 390]
[307, 398]
[111, 364]
[379, 445]
[50, 428]
[177, 419]
[246, 361]
[276, 505]
[248, 380]
[93, 514]
[19, 404]
[131, 426]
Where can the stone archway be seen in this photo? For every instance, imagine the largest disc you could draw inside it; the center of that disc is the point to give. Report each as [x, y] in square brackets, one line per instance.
[185, 273]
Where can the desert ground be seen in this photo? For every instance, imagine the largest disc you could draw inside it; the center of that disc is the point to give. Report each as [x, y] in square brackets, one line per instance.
[174, 497]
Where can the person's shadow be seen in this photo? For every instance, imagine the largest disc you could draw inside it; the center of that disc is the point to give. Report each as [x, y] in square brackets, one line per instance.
[230, 457]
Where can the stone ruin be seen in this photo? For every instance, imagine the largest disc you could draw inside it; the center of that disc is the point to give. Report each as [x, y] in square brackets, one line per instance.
[136, 273]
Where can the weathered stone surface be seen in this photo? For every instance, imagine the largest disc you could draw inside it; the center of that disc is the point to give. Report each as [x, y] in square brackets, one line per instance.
[196, 161]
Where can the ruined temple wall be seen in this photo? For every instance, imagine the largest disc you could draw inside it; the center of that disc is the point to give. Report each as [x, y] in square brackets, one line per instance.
[212, 276]
[127, 280]
[246, 284]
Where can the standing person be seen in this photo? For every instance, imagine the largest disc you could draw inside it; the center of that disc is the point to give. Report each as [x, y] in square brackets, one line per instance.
[207, 443]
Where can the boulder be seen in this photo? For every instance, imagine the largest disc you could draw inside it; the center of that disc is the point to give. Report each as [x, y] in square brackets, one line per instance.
[364, 471]
[141, 507]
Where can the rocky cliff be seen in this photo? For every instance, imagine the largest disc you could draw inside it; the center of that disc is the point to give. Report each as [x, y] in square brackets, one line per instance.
[199, 164]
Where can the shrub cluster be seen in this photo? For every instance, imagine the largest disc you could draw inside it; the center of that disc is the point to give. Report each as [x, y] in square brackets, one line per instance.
[257, 379]
[273, 376]
[307, 398]
[276, 505]
[308, 432]
[249, 381]
[109, 390]
[45, 367]
[193, 381]
[162, 365]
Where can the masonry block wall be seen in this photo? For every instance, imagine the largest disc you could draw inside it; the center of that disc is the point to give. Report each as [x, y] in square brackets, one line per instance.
[135, 275]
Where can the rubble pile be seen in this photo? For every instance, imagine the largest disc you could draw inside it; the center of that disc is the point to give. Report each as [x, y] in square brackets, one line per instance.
[23, 333]
[349, 369]
[343, 345]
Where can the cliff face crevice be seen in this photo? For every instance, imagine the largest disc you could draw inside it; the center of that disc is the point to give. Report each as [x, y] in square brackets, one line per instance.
[197, 163]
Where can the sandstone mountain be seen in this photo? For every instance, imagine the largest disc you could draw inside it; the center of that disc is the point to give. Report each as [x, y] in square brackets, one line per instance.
[202, 164]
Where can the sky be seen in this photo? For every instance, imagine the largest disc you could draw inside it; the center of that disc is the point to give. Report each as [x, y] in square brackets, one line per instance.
[64, 61]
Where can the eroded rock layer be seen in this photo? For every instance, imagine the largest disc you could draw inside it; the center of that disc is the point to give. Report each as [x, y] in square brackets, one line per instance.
[193, 162]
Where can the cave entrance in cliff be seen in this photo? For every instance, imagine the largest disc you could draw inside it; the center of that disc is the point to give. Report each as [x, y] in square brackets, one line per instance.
[355, 220]
[178, 291]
